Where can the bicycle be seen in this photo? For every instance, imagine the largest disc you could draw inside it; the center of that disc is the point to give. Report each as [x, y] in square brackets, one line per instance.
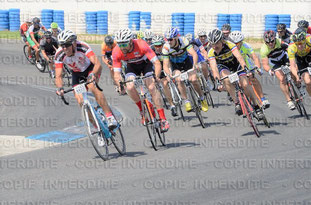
[165, 102]
[151, 122]
[96, 124]
[246, 106]
[258, 98]
[205, 88]
[32, 54]
[294, 93]
[66, 74]
[177, 100]
[194, 97]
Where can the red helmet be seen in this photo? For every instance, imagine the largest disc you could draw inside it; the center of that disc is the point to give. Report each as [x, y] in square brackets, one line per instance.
[269, 36]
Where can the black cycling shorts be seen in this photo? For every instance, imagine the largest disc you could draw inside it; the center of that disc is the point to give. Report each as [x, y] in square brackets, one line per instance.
[303, 62]
[81, 76]
[223, 67]
[184, 66]
[144, 68]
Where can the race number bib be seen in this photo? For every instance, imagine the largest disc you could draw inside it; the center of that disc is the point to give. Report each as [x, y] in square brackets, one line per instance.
[80, 89]
[285, 70]
[184, 76]
[309, 70]
[233, 78]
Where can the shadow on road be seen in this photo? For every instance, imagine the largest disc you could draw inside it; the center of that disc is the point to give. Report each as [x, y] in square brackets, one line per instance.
[181, 144]
[127, 154]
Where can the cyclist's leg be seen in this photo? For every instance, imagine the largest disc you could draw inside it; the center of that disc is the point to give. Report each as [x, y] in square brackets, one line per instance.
[181, 86]
[284, 87]
[130, 74]
[166, 90]
[307, 79]
[249, 92]
[224, 71]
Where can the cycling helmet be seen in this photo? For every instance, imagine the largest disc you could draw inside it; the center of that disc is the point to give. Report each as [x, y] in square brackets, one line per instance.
[48, 34]
[201, 32]
[226, 27]
[28, 20]
[158, 40]
[54, 25]
[236, 36]
[189, 37]
[281, 27]
[148, 34]
[36, 21]
[109, 40]
[66, 37]
[171, 32]
[124, 35]
[299, 35]
[303, 24]
[215, 35]
[269, 36]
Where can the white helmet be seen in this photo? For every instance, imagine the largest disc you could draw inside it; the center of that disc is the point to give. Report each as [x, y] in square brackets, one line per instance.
[214, 36]
[123, 35]
[158, 40]
[66, 37]
[236, 36]
[201, 32]
[148, 34]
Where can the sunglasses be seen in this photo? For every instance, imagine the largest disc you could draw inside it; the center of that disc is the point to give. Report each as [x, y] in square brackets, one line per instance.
[203, 36]
[47, 37]
[66, 45]
[157, 46]
[148, 39]
[270, 42]
[170, 39]
[123, 45]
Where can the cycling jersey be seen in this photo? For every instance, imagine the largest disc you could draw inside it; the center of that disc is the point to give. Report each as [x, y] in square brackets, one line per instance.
[58, 31]
[106, 51]
[246, 51]
[177, 55]
[225, 56]
[159, 55]
[77, 63]
[277, 56]
[204, 44]
[33, 30]
[23, 29]
[141, 53]
[302, 57]
[286, 38]
[49, 48]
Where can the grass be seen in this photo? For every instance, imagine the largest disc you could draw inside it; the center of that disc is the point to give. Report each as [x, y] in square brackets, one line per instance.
[10, 34]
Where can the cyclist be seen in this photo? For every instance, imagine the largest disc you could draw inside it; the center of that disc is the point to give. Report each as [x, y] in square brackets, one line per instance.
[140, 59]
[305, 25]
[202, 37]
[23, 29]
[226, 30]
[55, 29]
[250, 58]
[157, 45]
[107, 46]
[48, 47]
[148, 36]
[175, 52]
[299, 54]
[283, 33]
[198, 47]
[274, 53]
[80, 58]
[32, 35]
[224, 57]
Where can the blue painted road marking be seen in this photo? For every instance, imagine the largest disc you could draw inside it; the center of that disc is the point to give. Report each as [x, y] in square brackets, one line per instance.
[56, 136]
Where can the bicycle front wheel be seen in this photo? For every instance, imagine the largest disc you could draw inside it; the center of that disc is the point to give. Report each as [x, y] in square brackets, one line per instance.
[196, 106]
[117, 140]
[98, 140]
[66, 76]
[150, 125]
[26, 54]
[43, 64]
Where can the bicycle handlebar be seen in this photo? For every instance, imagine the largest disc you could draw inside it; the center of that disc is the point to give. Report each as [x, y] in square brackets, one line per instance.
[239, 71]
[177, 75]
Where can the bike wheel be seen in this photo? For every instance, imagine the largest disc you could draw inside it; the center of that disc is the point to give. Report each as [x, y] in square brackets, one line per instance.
[266, 122]
[196, 106]
[248, 112]
[66, 76]
[207, 92]
[303, 109]
[94, 131]
[181, 112]
[25, 49]
[150, 125]
[117, 140]
[294, 96]
[42, 62]
[164, 100]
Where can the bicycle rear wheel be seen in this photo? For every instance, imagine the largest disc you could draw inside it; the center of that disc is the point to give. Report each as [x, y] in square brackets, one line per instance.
[117, 139]
[151, 127]
[25, 49]
[196, 106]
[294, 96]
[207, 92]
[94, 132]
[248, 112]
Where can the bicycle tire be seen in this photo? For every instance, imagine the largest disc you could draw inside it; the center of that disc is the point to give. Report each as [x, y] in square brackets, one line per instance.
[207, 92]
[266, 122]
[176, 99]
[181, 112]
[303, 110]
[42, 63]
[120, 147]
[294, 97]
[249, 115]
[150, 126]
[94, 131]
[165, 101]
[197, 108]
[25, 49]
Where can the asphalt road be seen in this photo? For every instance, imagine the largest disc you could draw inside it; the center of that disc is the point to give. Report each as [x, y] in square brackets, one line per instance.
[224, 163]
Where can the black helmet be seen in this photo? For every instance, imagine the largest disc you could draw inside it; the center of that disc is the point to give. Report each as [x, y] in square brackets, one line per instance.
[299, 35]
[269, 36]
[36, 21]
[281, 27]
[303, 24]
[48, 34]
[226, 27]
[215, 35]
[109, 40]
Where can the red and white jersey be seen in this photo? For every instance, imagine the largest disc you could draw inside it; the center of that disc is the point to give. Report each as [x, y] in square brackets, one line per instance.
[79, 62]
[140, 53]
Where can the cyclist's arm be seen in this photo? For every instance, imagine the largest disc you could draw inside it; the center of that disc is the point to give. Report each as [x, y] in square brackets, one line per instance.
[265, 64]
[44, 54]
[213, 65]
[256, 59]
[204, 52]
[293, 67]
[157, 68]
[117, 68]
[194, 55]
[96, 62]
[58, 77]
[239, 57]
[32, 35]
